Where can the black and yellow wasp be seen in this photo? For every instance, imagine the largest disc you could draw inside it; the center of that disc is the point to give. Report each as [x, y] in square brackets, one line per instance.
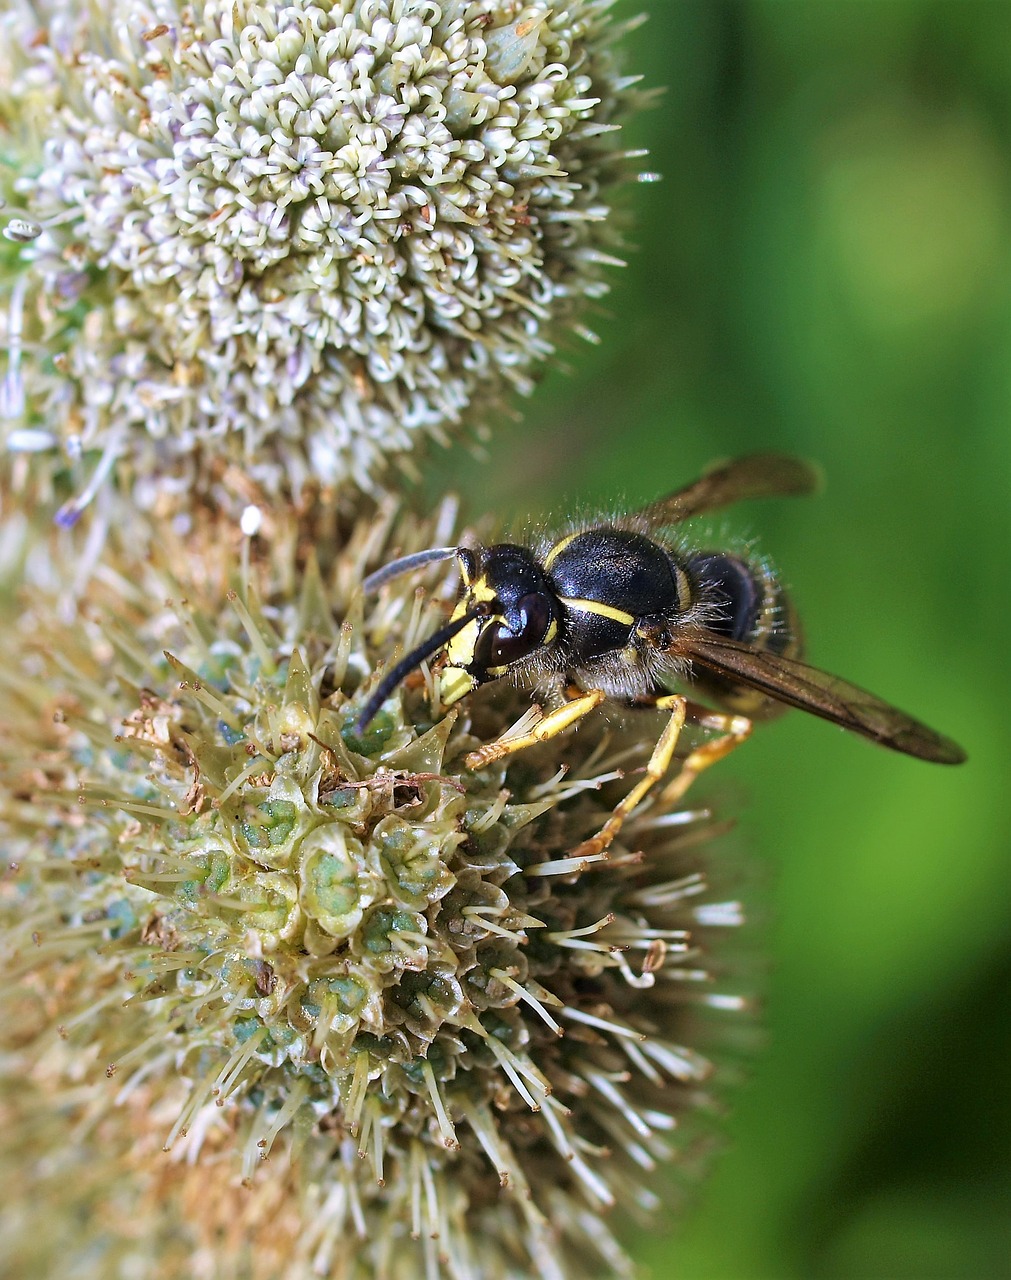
[612, 611]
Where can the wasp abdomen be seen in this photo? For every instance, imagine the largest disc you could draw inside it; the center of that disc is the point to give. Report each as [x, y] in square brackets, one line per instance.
[744, 602]
[733, 592]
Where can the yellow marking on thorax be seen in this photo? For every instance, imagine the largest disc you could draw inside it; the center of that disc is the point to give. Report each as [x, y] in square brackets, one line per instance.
[604, 610]
[557, 550]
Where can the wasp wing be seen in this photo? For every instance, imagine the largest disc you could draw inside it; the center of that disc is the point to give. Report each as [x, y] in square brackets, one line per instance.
[760, 475]
[798, 685]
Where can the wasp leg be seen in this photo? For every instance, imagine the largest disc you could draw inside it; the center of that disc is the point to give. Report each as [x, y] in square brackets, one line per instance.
[734, 730]
[547, 727]
[659, 763]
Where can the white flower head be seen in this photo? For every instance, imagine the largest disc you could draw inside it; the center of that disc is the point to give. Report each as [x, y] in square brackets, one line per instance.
[301, 236]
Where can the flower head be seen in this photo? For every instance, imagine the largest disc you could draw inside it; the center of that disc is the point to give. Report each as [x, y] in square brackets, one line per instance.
[299, 235]
[380, 1018]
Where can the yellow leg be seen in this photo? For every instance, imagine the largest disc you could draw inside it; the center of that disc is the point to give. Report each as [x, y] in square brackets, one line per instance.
[659, 763]
[547, 727]
[735, 730]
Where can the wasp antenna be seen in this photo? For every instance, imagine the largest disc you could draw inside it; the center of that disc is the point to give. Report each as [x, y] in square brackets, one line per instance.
[410, 663]
[406, 564]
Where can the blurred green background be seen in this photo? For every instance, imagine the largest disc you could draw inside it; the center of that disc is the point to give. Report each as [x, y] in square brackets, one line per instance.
[825, 269]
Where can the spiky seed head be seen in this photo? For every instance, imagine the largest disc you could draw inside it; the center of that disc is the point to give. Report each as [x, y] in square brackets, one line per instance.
[299, 236]
[282, 998]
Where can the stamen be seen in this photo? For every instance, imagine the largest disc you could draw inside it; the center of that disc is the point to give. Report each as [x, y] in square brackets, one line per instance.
[549, 787]
[368, 1116]
[640, 1060]
[12, 389]
[726, 1003]
[565, 866]
[92, 1009]
[477, 913]
[588, 784]
[602, 1024]
[431, 1195]
[71, 511]
[680, 818]
[615, 1261]
[562, 936]
[609, 1090]
[230, 1072]
[331, 1224]
[678, 1062]
[595, 1185]
[256, 637]
[89, 800]
[356, 1094]
[413, 625]
[414, 1179]
[669, 893]
[156, 1065]
[640, 981]
[199, 1096]
[530, 999]
[445, 1124]
[491, 815]
[719, 914]
[496, 1148]
[255, 767]
[292, 1103]
[509, 1063]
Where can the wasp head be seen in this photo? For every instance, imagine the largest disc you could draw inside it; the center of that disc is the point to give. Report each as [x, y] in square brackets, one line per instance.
[507, 610]
[514, 612]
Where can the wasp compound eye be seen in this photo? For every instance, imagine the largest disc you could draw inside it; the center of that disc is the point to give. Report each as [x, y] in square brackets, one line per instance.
[503, 643]
[535, 613]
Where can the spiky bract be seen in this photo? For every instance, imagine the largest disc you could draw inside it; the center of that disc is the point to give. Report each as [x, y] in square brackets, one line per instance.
[384, 1023]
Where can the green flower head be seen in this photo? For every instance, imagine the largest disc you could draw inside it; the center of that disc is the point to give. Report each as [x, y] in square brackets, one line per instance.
[283, 998]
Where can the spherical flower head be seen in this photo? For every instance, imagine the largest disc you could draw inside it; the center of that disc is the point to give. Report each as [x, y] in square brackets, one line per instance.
[300, 236]
[379, 1016]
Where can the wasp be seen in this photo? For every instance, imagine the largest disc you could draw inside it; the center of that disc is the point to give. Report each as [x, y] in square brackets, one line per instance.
[617, 610]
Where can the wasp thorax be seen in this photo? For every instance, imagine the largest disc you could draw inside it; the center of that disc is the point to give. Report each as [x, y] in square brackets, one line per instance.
[616, 567]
